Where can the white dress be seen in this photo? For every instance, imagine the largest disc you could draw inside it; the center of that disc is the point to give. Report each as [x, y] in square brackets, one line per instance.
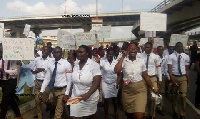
[109, 78]
[82, 81]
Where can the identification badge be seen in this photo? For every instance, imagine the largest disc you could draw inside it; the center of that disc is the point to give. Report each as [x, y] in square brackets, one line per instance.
[127, 82]
[129, 78]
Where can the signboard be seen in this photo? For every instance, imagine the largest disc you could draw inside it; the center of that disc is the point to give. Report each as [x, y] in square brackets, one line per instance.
[1, 31]
[150, 34]
[96, 27]
[104, 32]
[27, 29]
[18, 49]
[85, 39]
[96, 24]
[65, 40]
[158, 42]
[153, 21]
[178, 38]
[143, 41]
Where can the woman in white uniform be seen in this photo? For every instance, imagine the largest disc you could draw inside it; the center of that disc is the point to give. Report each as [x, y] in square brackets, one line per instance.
[86, 77]
[134, 90]
[109, 81]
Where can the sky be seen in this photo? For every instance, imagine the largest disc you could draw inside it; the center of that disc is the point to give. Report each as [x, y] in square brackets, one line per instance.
[28, 8]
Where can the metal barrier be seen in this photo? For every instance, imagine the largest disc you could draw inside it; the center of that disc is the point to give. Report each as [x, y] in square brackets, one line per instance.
[161, 5]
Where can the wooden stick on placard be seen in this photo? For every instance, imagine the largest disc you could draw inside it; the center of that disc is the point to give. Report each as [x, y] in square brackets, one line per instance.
[152, 40]
[76, 45]
[103, 42]
[63, 53]
[18, 72]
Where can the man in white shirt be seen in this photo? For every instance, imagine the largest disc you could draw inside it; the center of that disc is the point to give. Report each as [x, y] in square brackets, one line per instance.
[178, 63]
[164, 69]
[58, 77]
[40, 64]
[154, 70]
[8, 81]
[168, 51]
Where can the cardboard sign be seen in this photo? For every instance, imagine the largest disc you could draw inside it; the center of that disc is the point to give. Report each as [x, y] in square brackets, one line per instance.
[27, 29]
[178, 38]
[158, 42]
[1, 31]
[96, 27]
[65, 40]
[150, 34]
[18, 49]
[143, 41]
[96, 24]
[153, 21]
[104, 32]
[85, 39]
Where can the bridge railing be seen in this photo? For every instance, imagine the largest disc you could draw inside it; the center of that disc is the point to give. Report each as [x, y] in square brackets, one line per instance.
[193, 33]
[161, 5]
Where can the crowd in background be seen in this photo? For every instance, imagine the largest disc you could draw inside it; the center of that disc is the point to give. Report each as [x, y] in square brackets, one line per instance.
[137, 77]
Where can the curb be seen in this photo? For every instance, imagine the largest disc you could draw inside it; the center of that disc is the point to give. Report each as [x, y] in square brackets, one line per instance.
[23, 109]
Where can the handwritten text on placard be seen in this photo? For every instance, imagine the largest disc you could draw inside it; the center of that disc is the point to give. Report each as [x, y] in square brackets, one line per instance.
[18, 49]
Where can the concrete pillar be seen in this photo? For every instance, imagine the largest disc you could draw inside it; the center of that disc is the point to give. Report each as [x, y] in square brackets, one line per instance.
[86, 27]
[17, 33]
[37, 31]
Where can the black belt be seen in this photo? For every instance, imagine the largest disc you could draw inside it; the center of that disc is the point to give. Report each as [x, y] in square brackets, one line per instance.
[8, 79]
[59, 88]
[153, 76]
[39, 80]
[179, 75]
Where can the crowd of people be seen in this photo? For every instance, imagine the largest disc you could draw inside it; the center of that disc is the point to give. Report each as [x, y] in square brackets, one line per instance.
[136, 77]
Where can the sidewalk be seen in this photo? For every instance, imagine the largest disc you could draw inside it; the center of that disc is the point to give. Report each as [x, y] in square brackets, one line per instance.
[24, 108]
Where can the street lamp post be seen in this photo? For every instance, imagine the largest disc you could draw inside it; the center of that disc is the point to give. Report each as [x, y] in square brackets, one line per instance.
[96, 8]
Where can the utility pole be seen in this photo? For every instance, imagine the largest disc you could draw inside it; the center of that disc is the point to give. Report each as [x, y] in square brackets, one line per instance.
[96, 8]
[65, 12]
[122, 6]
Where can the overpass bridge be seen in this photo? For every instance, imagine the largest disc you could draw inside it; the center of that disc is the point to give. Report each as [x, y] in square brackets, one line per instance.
[16, 25]
[182, 15]
[194, 35]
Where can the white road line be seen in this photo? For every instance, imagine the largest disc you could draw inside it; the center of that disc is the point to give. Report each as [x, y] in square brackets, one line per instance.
[193, 107]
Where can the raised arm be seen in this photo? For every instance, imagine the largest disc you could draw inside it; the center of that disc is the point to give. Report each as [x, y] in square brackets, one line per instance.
[118, 66]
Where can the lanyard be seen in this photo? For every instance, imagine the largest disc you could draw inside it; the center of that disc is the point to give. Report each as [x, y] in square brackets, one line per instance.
[79, 76]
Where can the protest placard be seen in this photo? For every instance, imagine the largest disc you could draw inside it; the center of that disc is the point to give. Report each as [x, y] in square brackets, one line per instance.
[153, 21]
[27, 29]
[65, 40]
[178, 38]
[104, 32]
[158, 42]
[85, 39]
[143, 41]
[150, 34]
[1, 31]
[18, 49]
[97, 23]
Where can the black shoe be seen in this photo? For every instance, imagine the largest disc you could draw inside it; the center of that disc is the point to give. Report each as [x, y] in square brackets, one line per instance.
[160, 112]
[175, 115]
[35, 117]
[100, 104]
[49, 106]
[197, 106]
[150, 117]
[182, 117]
[146, 117]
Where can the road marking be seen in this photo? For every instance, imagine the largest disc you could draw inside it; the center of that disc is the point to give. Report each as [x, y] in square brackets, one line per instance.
[193, 107]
